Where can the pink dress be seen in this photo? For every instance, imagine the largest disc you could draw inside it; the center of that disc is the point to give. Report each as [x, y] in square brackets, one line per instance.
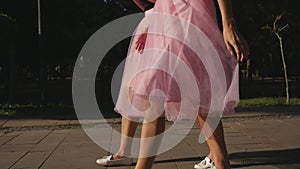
[185, 68]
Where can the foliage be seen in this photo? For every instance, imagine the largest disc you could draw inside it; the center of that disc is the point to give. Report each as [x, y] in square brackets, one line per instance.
[67, 24]
[251, 17]
[268, 101]
[30, 110]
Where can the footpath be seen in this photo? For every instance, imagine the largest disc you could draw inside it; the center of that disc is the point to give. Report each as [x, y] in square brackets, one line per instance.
[256, 139]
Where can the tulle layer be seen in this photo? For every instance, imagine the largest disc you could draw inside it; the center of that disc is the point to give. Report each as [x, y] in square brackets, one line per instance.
[185, 68]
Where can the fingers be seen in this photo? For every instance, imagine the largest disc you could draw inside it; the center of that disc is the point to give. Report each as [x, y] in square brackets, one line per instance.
[239, 49]
[243, 57]
[245, 54]
[245, 51]
[140, 43]
[140, 47]
[236, 44]
[234, 50]
[229, 48]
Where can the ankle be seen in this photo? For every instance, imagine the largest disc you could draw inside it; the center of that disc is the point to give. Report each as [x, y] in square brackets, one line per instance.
[120, 154]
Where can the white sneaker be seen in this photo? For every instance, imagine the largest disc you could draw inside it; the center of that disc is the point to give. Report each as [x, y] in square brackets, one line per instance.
[107, 161]
[207, 163]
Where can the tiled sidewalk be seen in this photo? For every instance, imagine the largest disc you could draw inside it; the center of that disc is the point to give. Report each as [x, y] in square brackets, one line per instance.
[254, 142]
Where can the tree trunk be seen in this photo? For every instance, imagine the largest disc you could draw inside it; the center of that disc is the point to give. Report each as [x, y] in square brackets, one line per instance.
[284, 69]
[249, 70]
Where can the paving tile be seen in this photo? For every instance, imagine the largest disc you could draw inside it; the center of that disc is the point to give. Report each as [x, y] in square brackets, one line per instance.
[80, 135]
[164, 161]
[164, 166]
[194, 132]
[260, 167]
[181, 150]
[33, 122]
[293, 122]
[30, 137]
[254, 134]
[16, 147]
[75, 155]
[239, 140]
[61, 131]
[280, 143]
[7, 159]
[245, 147]
[201, 149]
[227, 125]
[4, 139]
[233, 133]
[274, 136]
[14, 133]
[31, 160]
[163, 157]
[2, 133]
[2, 122]
[50, 142]
[119, 167]
[252, 143]
[189, 164]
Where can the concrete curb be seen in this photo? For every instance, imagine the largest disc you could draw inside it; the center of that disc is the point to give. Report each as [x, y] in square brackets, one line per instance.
[9, 125]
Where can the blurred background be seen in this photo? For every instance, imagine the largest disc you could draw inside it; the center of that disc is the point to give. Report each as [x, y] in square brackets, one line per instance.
[37, 60]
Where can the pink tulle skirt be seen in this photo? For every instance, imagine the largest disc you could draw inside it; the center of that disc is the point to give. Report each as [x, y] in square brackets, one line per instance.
[184, 69]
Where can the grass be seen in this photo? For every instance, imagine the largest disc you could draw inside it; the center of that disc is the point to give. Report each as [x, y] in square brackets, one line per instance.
[30, 110]
[268, 101]
[62, 110]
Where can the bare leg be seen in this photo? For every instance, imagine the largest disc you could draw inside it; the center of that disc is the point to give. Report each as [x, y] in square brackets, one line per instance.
[150, 129]
[216, 142]
[128, 129]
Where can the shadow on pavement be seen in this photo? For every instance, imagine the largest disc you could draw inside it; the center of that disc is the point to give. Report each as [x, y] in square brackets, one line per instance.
[286, 157]
[187, 159]
[289, 158]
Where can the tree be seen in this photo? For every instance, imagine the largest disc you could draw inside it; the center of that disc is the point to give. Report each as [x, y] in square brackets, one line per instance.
[277, 31]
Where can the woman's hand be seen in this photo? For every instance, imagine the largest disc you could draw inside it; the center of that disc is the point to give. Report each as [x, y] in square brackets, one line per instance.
[235, 42]
[141, 4]
[140, 43]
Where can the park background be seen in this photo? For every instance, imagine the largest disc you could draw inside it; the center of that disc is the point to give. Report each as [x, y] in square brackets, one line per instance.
[37, 70]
